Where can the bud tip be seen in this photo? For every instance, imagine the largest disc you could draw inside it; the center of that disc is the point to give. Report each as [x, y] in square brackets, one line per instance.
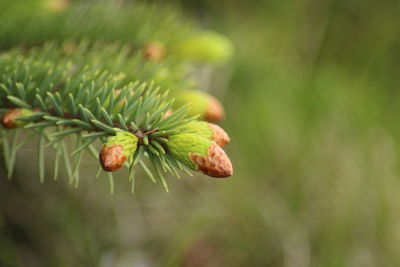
[154, 51]
[112, 157]
[9, 118]
[219, 135]
[215, 164]
[215, 111]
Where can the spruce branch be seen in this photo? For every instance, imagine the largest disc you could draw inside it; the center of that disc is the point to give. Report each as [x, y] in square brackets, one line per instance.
[84, 87]
[81, 97]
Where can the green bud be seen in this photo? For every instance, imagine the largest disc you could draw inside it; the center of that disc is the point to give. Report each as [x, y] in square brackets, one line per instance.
[209, 131]
[201, 128]
[10, 118]
[206, 47]
[200, 154]
[117, 150]
[207, 106]
[181, 145]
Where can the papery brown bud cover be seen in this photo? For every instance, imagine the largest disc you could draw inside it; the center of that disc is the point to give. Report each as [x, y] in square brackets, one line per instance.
[10, 118]
[117, 150]
[154, 51]
[219, 135]
[214, 111]
[168, 113]
[215, 163]
[112, 157]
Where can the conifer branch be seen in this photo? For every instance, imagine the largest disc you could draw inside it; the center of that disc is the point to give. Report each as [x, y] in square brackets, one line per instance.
[81, 89]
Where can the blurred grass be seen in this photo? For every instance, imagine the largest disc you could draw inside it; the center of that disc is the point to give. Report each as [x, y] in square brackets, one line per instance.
[313, 113]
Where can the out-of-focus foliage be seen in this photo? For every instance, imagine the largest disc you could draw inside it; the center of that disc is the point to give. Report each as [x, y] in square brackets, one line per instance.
[313, 111]
[313, 108]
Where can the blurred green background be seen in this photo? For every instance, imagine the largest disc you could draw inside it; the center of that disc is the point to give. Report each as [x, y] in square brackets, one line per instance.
[313, 112]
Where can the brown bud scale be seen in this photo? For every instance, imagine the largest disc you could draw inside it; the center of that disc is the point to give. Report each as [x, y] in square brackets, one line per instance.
[167, 114]
[112, 157]
[154, 51]
[9, 118]
[215, 164]
[219, 135]
[215, 111]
